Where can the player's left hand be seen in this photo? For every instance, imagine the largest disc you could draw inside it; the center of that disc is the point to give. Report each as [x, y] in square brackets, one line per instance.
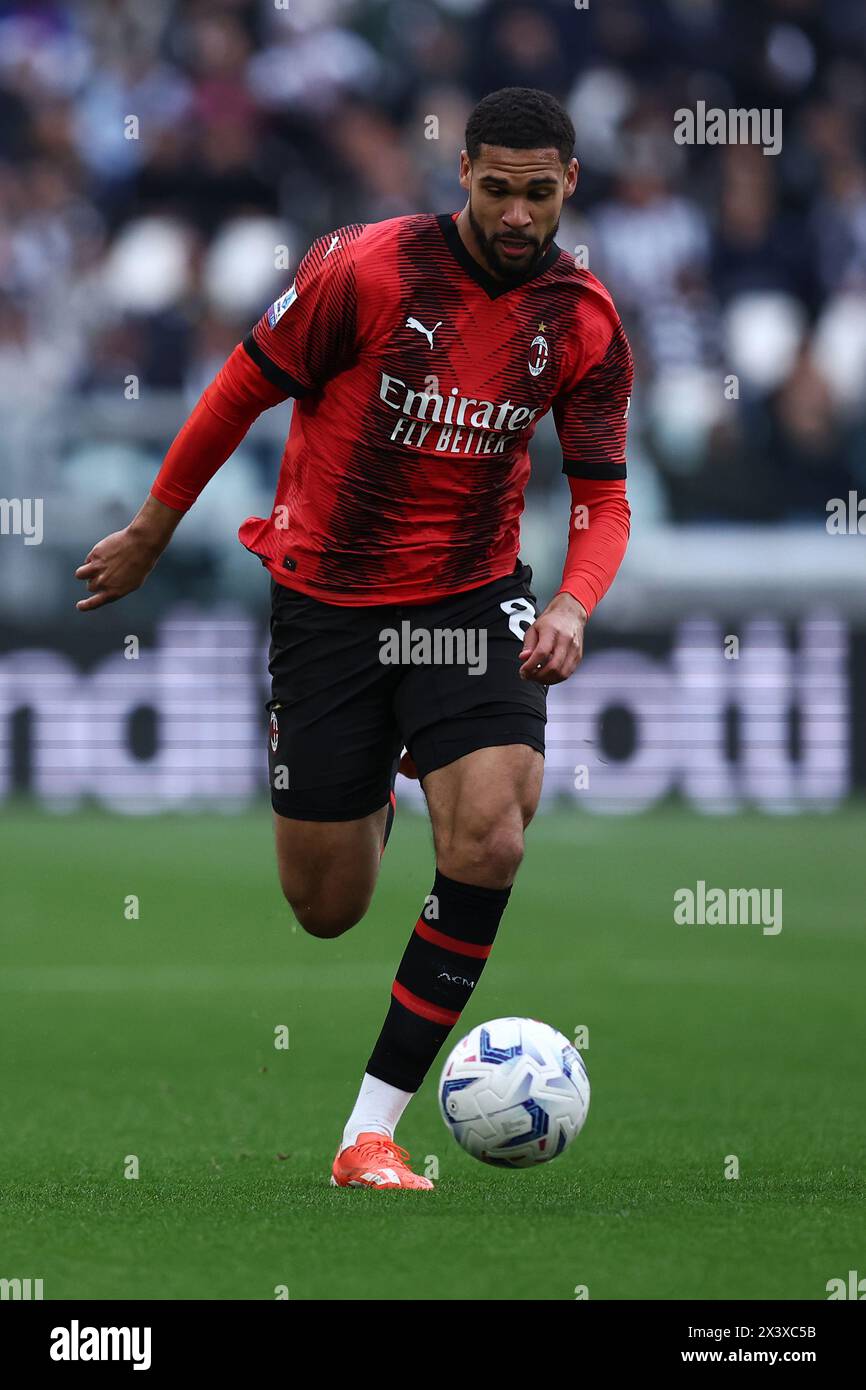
[553, 646]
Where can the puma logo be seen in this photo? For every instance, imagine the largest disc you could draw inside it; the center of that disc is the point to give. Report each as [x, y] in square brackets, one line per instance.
[335, 241]
[428, 332]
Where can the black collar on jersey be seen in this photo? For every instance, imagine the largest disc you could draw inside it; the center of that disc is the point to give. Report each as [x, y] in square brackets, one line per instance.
[491, 286]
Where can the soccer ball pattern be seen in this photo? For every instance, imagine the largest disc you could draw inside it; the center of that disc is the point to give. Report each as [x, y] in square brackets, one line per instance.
[514, 1092]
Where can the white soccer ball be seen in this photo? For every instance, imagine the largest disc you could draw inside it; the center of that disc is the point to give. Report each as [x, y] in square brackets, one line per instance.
[514, 1092]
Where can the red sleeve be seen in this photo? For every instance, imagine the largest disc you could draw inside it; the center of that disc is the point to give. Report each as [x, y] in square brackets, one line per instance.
[310, 333]
[236, 396]
[598, 536]
[591, 417]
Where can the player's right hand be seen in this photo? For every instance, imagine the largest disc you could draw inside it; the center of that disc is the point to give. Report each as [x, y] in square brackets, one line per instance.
[120, 563]
[116, 566]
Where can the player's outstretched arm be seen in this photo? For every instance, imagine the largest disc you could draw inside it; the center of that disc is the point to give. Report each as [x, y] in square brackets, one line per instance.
[120, 563]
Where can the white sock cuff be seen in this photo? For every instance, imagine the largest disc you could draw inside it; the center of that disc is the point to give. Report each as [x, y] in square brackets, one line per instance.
[378, 1108]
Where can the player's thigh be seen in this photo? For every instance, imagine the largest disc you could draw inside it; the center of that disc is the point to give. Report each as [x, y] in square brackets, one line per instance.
[484, 788]
[473, 727]
[332, 750]
[328, 869]
[479, 808]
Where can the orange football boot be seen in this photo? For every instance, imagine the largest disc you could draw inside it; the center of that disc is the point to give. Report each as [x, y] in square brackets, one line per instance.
[375, 1161]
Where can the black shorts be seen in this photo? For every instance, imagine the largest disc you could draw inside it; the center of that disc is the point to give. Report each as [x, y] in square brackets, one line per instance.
[352, 686]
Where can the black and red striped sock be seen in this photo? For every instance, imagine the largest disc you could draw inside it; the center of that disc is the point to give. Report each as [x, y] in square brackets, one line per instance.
[440, 967]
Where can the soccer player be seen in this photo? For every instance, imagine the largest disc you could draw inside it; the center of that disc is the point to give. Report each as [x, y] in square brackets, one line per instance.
[420, 353]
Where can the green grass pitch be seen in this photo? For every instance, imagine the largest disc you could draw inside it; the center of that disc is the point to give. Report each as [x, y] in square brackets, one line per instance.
[155, 1038]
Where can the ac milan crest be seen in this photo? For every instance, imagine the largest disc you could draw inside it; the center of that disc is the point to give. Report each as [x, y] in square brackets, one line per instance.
[538, 354]
[274, 731]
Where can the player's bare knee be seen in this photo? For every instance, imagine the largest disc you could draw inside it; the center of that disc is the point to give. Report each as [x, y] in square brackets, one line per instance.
[325, 920]
[484, 853]
[321, 908]
[503, 853]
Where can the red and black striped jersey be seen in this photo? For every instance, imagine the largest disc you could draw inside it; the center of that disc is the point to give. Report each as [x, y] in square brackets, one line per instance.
[419, 379]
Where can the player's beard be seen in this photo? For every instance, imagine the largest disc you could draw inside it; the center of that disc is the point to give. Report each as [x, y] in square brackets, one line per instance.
[500, 266]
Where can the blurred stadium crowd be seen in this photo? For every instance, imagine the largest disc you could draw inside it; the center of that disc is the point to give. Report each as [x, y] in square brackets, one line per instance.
[260, 124]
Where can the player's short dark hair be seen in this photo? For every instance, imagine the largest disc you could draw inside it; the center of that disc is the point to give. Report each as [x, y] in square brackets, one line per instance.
[520, 118]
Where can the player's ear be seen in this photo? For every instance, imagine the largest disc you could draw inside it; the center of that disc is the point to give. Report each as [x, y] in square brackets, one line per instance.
[572, 169]
[465, 169]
